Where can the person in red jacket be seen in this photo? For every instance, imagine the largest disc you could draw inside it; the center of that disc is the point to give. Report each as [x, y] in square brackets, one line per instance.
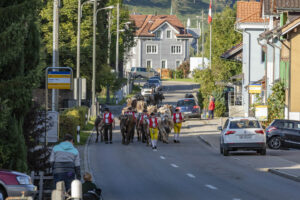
[211, 108]
[109, 124]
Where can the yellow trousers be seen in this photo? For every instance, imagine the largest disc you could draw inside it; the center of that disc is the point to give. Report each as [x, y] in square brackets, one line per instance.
[153, 133]
[177, 127]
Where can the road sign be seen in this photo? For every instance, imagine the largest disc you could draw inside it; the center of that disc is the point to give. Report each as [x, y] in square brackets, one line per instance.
[59, 80]
[261, 113]
[255, 88]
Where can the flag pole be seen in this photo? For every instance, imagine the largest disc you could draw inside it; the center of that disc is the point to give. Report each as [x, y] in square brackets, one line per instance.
[210, 46]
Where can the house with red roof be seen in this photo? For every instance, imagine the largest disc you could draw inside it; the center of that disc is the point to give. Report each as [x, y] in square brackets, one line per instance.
[162, 42]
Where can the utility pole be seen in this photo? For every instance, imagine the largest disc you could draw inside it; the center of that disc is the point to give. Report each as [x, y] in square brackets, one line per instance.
[108, 55]
[94, 60]
[55, 54]
[202, 34]
[78, 54]
[117, 41]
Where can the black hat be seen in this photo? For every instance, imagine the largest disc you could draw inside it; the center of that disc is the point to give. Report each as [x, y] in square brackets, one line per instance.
[152, 114]
[145, 110]
[106, 109]
[130, 108]
[177, 109]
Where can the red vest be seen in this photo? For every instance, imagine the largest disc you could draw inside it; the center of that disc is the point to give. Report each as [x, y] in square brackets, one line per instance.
[151, 123]
[174, 117]
[110, 120]
[142, 118]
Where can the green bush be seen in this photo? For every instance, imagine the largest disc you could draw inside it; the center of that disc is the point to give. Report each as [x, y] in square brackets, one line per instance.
[179, 74]
[220, 105]
[70, 119]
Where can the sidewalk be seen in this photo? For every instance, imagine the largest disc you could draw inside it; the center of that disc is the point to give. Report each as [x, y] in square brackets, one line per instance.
[209, 134]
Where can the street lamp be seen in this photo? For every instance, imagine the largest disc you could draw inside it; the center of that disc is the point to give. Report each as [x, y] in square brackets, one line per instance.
[94, 55]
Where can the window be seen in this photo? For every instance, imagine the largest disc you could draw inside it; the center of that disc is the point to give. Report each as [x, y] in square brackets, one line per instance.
[151, 49]
[186, 102]
[169, 34]
[297, 125]
[149, 64]
[244, 124]
[178, 63]
[286, 125]
[226, 124]
[163, 64]
[176, 49]
[158, 34]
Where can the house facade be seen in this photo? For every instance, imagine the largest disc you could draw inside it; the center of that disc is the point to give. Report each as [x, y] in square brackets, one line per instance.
[161, 41]
[251, 24]
[281, 44]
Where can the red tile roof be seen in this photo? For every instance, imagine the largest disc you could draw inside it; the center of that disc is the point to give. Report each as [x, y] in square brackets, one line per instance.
[146, 24]
[249, 12]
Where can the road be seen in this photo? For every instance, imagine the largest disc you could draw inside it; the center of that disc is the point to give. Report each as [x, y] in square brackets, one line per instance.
[189, 170]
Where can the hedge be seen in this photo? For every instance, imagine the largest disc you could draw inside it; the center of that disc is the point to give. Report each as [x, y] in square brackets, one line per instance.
[70, 119]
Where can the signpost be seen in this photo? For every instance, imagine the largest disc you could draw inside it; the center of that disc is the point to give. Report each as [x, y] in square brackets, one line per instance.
[261, 113]
[56, 78]
[254, 88]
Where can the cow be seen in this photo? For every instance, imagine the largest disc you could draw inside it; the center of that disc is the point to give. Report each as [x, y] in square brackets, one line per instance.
[127, 126]
[99, 128]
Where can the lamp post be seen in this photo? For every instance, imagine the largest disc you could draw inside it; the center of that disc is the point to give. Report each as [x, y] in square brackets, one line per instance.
[95, 12]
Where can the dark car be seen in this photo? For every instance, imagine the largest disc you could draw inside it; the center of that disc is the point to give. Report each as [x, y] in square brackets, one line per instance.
[155, 82]
[13, 183]
[189, 107]
[283, 133]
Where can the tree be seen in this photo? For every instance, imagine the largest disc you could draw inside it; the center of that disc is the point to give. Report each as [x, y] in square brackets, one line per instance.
[185, 68]
[223, 38]
[19, 74]
[68, 36]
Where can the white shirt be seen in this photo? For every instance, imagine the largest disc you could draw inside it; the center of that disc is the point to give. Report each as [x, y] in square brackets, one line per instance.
[177, 117]
[106, 116]
[153, 122]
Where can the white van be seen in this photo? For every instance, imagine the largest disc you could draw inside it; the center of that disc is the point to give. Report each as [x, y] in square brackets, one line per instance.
[142, 72]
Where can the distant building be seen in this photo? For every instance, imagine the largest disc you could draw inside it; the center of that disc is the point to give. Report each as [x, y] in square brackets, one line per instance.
[162, 42]
[198, 63]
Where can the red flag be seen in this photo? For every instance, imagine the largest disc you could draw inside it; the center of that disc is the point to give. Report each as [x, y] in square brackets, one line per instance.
[209, 13]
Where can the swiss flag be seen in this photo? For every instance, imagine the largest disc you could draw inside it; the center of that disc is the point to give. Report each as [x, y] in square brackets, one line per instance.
[209, 13]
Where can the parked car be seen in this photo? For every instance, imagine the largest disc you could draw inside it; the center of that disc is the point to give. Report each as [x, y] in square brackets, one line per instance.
[142, 72]
[155, 77]
[147, 89]
[189, 95]
[155, 82]
[13, 183]
[242, 134]
[189, 107]
[283, 133]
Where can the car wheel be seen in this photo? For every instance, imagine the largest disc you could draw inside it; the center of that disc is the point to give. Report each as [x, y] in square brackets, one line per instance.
[221, 149]
[2, 194]
[225, 152]
[275, 142]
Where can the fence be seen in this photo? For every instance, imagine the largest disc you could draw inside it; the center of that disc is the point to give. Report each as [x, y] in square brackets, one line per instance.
[42, 180]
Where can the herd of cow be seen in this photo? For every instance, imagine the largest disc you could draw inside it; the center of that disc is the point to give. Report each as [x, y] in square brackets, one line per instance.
[129, 124]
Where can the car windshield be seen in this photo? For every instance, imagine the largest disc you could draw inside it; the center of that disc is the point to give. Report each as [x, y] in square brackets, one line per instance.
[186, 102]
[244, 124]
[132, 69]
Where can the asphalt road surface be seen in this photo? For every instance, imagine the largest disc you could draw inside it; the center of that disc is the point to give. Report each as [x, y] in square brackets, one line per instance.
[189, 170]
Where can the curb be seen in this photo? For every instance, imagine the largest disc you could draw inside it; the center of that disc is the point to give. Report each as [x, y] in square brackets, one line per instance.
[205, 141]
[284, 174]
[87, 156]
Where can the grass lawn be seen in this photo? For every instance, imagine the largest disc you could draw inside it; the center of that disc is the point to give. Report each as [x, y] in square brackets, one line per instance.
[85, 132]
[181, 79]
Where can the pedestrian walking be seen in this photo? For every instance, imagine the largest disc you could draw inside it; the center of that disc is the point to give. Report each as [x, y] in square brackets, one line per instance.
[109, 124]
[96, 124]
[211, 107]
[132, 113]
[177, 119]
[65, 162]
[89, 189]
[153, 128]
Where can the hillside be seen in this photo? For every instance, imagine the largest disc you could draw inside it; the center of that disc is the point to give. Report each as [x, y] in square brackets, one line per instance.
[182, 8]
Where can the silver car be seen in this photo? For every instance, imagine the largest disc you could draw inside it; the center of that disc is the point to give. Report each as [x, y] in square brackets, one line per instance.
[242, 134]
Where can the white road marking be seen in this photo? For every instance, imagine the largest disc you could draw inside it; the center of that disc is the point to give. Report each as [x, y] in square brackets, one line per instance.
[154, 149]
[211, 187]
[162, 157]
[173, 165]
[190, 175]
[236, 199]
